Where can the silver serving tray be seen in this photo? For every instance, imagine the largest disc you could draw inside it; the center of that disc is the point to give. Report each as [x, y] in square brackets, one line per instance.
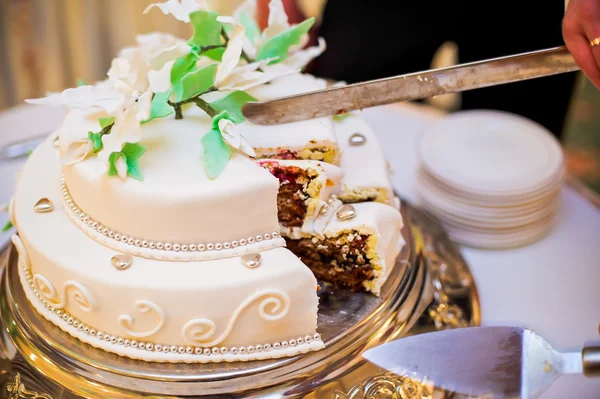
[349, 323]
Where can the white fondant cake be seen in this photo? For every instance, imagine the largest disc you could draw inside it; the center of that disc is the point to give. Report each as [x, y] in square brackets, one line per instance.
[153, 229]
[366, 173]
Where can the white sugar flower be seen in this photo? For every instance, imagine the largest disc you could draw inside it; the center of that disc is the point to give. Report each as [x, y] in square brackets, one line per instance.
[121, 166]
[234, 139]
[277, 23]
[248, 76]
[85, 97]
[231, 55]
[180, 9]
[126, 129]
[77, 151]
[160, 48]
[129, 72]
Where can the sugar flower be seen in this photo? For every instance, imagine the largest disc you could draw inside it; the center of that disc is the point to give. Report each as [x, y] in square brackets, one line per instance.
[180, 9]
[85, 97]
[159, 48]
[126, 129]
[233, 138]
[77, 151]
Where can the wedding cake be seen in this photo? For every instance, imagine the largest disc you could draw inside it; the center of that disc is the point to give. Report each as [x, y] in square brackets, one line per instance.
[156, 223]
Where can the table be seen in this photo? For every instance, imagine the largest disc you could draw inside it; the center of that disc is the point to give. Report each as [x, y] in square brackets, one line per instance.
[550, 286]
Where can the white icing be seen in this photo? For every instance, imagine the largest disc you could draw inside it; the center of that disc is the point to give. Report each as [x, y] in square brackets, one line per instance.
[212, 289]
[269, 140]
[274, 306]
[143, 306]
[162, 356]
[365, 168]
[59, 299]
[23, 257]
[176, 202]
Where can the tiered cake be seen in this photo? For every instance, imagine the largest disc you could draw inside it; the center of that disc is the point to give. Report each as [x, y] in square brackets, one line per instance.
[153, 224]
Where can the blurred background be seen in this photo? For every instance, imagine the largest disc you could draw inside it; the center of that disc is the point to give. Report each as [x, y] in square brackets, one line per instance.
[48, 45]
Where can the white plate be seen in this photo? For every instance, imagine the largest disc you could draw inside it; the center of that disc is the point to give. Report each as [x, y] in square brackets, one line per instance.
[494, 200]
[491, 152]
[441, 200]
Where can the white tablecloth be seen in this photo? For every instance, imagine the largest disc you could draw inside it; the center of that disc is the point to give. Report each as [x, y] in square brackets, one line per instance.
[552, 286]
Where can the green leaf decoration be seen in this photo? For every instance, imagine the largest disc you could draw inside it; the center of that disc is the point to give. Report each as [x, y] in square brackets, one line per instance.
[279, 45]
[340, 117]
[132, 153]
[218, 117]
[252, 29]
[159, 107]
[207, 30]
[80, 82]
[195, 82]
[96, 141]
[233, 103]
[104, 122]
[30, 151]
[7, 226]
[215, 53]
[216, 153]
[182, 66]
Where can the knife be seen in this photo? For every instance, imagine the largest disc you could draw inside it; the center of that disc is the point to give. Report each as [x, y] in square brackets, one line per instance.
[507, 362]
[414, 86]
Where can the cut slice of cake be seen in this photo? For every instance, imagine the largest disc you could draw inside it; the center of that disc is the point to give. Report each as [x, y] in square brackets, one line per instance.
[307, 197]
[366, 172]
[358, 249]
[311, 139]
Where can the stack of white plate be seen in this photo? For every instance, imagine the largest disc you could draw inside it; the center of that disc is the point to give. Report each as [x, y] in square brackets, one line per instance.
[492, 178]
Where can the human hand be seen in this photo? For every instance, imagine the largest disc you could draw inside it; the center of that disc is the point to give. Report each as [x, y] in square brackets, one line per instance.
[581, 25]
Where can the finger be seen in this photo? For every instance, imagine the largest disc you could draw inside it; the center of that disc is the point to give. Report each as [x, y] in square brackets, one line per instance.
[578, 44]
[579, 47]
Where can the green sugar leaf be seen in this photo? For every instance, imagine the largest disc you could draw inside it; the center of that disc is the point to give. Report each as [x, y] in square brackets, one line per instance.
[216, 153]
[215, 53]
[30, 151]
[160, 108]
[252, 29]
[96, 141]
[112, 163]
[278, 46]
[195, 82]
[182, 66]
[7, 226]
[131, 153]
[207, 30]
[81, 82]
[233, 103]
[104, 122]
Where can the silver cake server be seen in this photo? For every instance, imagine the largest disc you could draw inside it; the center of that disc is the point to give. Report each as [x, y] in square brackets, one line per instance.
[506, 362]
[414, 86]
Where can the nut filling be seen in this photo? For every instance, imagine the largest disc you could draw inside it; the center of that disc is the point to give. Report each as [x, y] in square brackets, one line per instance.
[342, 260]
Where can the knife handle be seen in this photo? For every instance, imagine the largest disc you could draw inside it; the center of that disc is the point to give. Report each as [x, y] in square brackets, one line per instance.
[591, 359]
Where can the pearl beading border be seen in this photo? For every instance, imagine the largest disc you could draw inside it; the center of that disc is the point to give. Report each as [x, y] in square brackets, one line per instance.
[181, 353]
[122, 242]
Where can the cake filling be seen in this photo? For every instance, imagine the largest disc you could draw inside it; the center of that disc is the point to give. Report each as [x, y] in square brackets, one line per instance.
[346, 259]
[324, 154]
[293, 195]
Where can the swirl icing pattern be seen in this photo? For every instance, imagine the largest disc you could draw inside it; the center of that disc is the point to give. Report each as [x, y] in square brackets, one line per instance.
[143, 306]
[275, 304]
[23, 257]
[70, 290]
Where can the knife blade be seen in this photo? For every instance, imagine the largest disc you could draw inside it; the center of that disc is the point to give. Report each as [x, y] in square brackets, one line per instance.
[414, 86]
[502, 361]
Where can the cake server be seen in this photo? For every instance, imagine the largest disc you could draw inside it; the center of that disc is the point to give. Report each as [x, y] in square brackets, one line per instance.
[507, 362]
[414, 86]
